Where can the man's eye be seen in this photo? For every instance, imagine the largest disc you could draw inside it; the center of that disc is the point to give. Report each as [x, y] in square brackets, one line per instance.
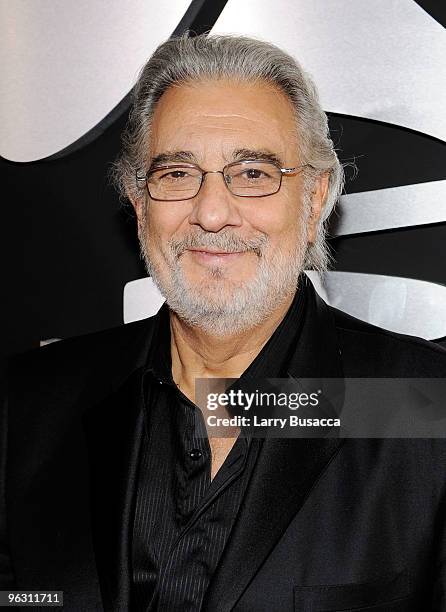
[254, 173]
[174, 175]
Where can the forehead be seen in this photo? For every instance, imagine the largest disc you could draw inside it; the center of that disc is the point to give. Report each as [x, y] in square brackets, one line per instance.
[224, 115]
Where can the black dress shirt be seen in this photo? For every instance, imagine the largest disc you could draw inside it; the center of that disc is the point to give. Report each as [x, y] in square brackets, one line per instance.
[183, 520]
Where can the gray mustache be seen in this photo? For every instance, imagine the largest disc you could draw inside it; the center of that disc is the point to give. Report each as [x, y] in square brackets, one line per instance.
[223, 242]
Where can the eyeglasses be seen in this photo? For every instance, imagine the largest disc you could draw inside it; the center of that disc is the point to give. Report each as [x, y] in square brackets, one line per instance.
[245, 179]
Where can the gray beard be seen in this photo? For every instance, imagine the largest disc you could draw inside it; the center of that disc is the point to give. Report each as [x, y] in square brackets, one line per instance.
[227, 308]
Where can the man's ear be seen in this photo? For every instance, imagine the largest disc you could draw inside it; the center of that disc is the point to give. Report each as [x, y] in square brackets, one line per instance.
[135, 202]
[318, 198]
[138, 206]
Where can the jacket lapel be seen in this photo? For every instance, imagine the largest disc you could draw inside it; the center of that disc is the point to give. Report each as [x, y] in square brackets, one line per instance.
[286, 470]
[69, 430]
[114, 431]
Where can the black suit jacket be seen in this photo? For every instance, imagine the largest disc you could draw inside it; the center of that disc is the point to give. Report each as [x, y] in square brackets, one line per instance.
[326, 524]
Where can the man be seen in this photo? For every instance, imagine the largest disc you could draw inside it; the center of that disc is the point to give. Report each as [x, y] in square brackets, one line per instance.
[112, 493]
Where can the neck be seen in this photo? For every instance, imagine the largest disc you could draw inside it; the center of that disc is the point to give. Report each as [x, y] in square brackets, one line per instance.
[196, 354]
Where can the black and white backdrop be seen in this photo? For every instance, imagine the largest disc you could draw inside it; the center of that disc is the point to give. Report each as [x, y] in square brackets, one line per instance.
[71, 259]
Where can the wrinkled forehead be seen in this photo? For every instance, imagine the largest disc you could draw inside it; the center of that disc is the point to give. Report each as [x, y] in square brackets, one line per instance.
[222, 116]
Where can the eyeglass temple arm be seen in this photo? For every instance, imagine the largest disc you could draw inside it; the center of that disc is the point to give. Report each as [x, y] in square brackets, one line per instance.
[295, 169]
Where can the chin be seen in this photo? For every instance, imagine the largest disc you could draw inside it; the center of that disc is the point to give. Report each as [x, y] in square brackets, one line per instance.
[215, 289]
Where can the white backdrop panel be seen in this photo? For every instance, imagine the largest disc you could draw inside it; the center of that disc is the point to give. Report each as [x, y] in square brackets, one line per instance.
[65, 65]
[380, 59]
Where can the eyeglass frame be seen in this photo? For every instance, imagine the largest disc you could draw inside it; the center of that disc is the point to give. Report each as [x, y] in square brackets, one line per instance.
[283, 171]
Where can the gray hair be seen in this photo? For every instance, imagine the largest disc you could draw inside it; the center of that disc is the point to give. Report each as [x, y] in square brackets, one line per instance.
[209, 57]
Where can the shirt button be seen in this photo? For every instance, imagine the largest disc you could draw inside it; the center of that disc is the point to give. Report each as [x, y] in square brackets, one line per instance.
[195, 454]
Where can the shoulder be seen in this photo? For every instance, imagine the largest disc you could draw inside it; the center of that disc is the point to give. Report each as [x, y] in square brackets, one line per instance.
[83, 349]
[385, 353]
[69, 363]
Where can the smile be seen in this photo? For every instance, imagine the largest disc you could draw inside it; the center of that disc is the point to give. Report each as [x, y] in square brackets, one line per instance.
[215, 257]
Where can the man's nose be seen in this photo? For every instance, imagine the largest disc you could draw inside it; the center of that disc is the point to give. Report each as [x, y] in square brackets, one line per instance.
[214, 205]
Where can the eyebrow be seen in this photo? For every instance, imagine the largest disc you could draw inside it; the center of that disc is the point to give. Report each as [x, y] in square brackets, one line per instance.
[172, 157]
[257, 154]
